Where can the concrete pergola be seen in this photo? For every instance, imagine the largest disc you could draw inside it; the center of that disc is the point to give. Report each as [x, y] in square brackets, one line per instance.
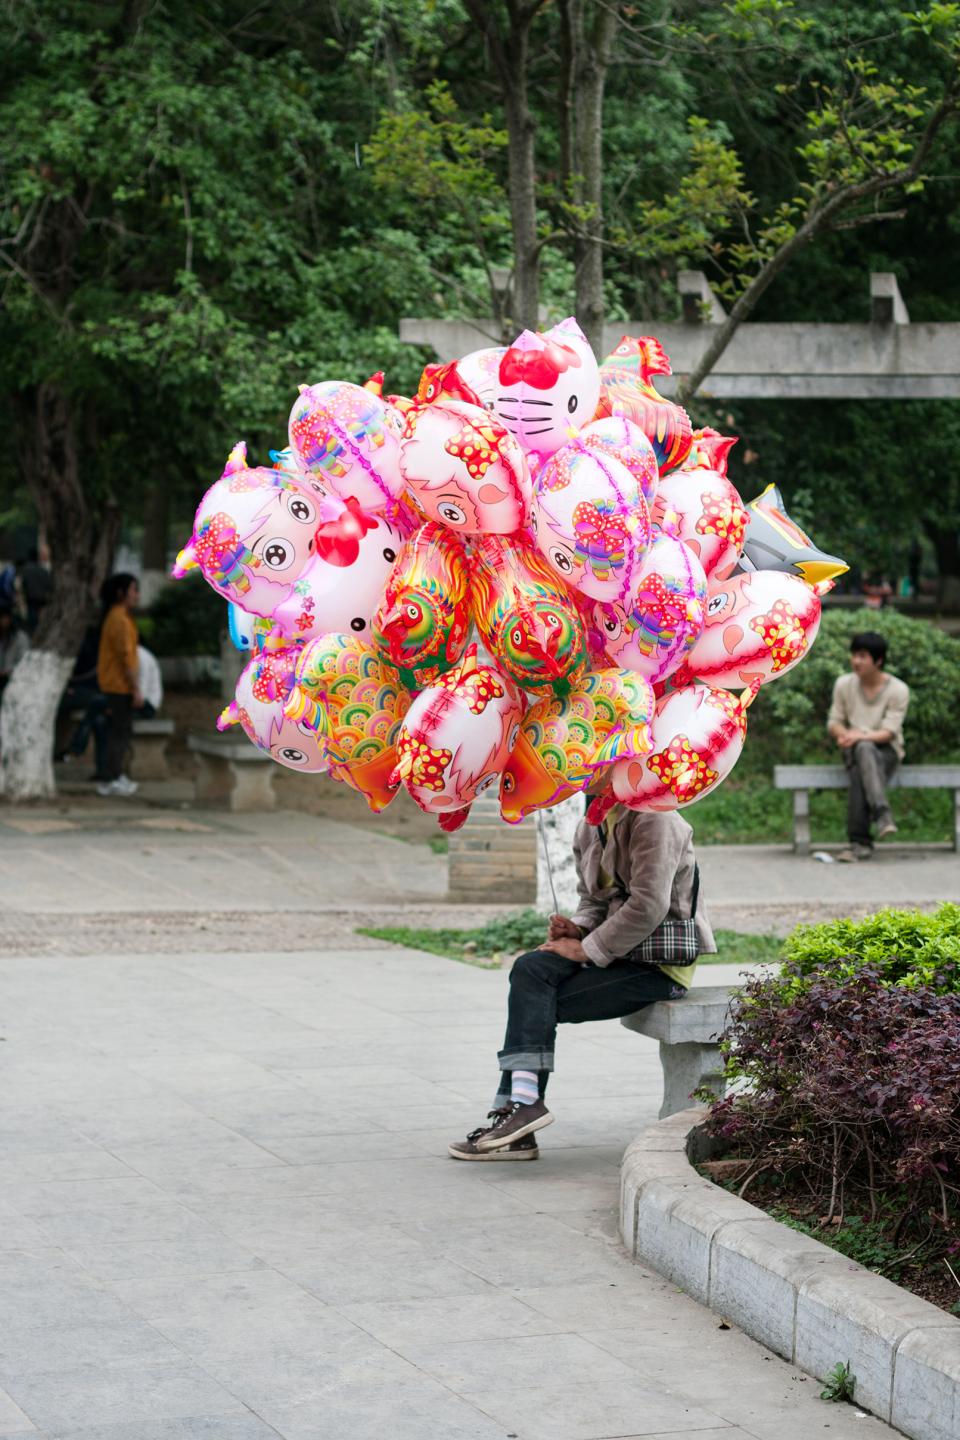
[887, 358]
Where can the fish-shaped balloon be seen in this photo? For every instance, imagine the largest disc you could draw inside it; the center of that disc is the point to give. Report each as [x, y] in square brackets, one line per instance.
[564, 743]
[346, 694]
[773, 541]
[421, 626]
[527, 619]
[456, 737]
[698, 734]
[627, 388]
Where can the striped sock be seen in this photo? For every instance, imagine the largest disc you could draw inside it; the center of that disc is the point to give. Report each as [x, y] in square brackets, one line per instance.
[524, 1089]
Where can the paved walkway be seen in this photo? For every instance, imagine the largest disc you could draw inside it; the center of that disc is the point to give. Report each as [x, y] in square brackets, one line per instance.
[226, 1210]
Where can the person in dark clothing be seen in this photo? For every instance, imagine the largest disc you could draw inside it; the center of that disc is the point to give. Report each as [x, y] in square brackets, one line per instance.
[117, 676]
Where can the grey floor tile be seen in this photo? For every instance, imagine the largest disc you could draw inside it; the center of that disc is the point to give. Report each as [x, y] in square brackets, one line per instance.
[215, 1255]
[409, 1324]
[27, 1349]
[154, 1220]
[384, 1267]
[87, 1396]
[12, 1419]
[411, 1409]
[196, 1427]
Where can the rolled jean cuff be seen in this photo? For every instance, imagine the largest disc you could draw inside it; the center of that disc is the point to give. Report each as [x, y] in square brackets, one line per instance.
[526, 1060]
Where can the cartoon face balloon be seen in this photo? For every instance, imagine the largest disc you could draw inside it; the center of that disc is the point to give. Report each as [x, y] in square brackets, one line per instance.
[563, 743]
[348, 437]
[758, 626]
[340, 587]
[663, 615]
[463, 468]
[627, 388]
[421, 626]
[774, 542]
[262, 693]
[532, 627]
[344, 692]
[253, 534]
[698, 734]
[708, 514]
[590, 520]
[547, 386]
[456, 737]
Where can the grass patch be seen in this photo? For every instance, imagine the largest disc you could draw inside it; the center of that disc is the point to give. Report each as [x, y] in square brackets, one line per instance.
[754, 813]
[486, 945]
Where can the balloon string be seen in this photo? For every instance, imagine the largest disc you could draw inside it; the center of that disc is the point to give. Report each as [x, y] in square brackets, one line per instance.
[546, 856]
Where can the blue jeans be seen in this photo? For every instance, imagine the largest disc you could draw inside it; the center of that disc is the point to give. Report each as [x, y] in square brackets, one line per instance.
[547, 991]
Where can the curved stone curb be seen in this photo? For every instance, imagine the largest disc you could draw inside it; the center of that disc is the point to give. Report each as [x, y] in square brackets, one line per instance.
[798, 1297]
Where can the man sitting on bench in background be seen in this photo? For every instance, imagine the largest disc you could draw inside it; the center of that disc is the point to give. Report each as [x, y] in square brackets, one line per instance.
[639, 927]
[866, 720]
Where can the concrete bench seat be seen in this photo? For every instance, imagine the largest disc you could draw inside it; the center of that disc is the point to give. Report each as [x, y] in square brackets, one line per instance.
[801, 779]
[150, 740]
[230, 768]
[689, 1033]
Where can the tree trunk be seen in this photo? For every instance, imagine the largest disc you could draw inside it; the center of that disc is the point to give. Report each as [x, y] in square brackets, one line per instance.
[81, 542]
[510, 53]
[946, 546]
[556, 829]
[590, 51]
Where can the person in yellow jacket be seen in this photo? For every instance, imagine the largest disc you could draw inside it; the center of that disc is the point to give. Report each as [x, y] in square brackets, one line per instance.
[117, 677]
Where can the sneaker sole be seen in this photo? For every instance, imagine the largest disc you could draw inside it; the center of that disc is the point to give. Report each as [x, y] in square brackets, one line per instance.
[531, 1153]
[498, 1144]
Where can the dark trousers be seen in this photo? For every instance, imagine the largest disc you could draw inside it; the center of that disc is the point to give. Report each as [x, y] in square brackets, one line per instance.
[547, 991]
[119, 715]
[870, 768]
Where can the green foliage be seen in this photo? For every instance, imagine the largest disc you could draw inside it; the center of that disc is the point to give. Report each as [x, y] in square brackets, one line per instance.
[187, 619]
[793, 712]
[906, 947]
[840, 1384]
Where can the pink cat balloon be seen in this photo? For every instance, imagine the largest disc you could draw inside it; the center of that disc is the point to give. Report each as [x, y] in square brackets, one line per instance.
[590, 520]
[349, 438]
[698, 734]
[481, 371]
[262, 691]
[707, 510]
[456, 737]
[653, 630]
[548, 386]
[758, 627]
[463, 468]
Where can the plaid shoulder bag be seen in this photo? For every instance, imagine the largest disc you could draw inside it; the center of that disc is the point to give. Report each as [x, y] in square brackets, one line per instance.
[674, 941]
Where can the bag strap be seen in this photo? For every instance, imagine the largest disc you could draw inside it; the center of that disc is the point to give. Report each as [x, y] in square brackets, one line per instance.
[696, 890]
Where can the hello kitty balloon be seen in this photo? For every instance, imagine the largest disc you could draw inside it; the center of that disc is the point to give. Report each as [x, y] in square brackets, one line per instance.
[262, 692]
[464, 469]
[548, 386]
[349, 438]
[455, 739]
[698, 733]
[481, 371]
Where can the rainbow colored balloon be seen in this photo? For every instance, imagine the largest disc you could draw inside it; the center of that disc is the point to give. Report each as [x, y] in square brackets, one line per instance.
[348, 437]
[422, 624]
[344, 692]
[563, 744]
[627, 388]
[531, 626]
[456, 737]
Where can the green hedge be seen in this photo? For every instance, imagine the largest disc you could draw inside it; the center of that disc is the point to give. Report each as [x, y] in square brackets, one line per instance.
[787, 721]
[907, 948]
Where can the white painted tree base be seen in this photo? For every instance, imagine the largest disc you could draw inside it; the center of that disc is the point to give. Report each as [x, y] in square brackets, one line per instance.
[27, 722]
[556, 828]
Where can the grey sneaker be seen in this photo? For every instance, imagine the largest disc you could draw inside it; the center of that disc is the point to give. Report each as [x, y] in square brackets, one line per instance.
[854, 853]
[885, 825]
[523, 1149]
[513, 1123]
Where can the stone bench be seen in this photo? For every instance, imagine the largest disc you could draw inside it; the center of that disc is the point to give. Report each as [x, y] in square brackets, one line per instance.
[689, 1032]
[150, 740]
[230, 768]
[801, 779]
